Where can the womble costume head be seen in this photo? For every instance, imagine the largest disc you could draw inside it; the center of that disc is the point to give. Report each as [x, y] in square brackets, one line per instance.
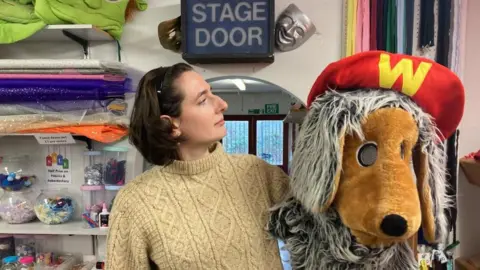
[369, 164]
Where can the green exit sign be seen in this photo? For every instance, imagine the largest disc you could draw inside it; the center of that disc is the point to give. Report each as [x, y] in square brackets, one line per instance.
[272, 108]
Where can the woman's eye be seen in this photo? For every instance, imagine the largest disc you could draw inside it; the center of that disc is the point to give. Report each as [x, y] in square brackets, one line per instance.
[202, 102]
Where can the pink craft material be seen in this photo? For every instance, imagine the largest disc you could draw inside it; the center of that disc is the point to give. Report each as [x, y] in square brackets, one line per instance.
[112, 78]
[91, 187]
[92, 223]
[362, 32]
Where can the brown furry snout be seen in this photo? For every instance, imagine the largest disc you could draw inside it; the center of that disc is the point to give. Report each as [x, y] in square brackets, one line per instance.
[377, 196]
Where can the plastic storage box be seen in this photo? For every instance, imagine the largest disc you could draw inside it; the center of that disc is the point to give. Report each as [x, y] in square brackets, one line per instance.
[115, 165]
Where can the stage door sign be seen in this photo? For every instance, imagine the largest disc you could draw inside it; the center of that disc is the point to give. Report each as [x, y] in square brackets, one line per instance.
[228, 31]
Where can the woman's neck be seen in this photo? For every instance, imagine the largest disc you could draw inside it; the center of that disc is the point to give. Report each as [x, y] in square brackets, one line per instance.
[198, 160]
[193, 152]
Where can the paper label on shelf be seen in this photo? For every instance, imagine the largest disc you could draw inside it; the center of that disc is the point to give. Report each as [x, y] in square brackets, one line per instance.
[57, 164]
[56, 138]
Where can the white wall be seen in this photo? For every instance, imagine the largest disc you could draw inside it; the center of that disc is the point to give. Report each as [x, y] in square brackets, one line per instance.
[469, 141]
[294, 71]
[239, 104]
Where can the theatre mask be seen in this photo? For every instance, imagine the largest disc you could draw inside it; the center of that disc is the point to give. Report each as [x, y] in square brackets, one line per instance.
[293, 28]
[169, 34]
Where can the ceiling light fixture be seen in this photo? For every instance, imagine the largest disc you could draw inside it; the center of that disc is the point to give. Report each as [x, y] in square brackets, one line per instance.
[239, 84]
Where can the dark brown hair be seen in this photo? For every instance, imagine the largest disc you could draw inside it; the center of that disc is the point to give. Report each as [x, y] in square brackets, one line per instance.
[157, 95]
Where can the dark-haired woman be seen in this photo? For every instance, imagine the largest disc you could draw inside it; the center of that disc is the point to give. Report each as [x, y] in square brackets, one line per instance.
[199, 207]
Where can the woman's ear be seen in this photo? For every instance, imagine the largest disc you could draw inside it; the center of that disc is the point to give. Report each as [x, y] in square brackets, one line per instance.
[175, 124]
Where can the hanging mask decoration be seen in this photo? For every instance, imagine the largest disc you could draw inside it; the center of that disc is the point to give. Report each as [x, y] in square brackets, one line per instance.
[293, 29]
[170, 35]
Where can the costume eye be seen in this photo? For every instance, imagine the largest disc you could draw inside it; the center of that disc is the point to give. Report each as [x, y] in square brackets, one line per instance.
[402, 150]
[286, 21]
[367, 154]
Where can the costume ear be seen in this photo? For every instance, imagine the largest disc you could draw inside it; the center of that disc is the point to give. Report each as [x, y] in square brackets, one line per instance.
[317, 160]
[429, 166]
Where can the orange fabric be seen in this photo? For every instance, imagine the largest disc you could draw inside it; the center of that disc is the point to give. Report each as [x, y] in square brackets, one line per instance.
[435, 88]
[100, 133]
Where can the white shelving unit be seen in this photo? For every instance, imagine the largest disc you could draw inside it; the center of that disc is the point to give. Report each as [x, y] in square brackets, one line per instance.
[75, 227]
[84, 35]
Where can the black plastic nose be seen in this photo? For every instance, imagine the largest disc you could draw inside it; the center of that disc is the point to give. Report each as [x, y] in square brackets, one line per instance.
[394, 225]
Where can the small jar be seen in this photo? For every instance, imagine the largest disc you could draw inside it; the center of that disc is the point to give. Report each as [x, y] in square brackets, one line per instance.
[93, 167]
[10, 263]
[24, 245]
[115, 165]
[7, 246]
[16, 172]
[17, 207]
[54, 206]
[26, 263]
[41, 242]
[15, 163]
[93, 199]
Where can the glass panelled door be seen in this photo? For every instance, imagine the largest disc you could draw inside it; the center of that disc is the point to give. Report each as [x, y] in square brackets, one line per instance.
[265, 136]
[237, 139]
[270, 141]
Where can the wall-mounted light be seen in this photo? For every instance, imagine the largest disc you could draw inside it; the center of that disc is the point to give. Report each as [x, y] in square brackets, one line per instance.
[239, 84]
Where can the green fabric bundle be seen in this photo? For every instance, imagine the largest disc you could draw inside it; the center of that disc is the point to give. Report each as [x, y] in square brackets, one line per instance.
[20, 19]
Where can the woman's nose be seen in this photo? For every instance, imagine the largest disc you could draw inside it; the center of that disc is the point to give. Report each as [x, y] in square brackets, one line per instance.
[222, 104]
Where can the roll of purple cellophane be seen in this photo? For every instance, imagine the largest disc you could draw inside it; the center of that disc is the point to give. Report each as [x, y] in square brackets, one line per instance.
[68, 105]
[14, 95]
[30, 94]
[74, 84]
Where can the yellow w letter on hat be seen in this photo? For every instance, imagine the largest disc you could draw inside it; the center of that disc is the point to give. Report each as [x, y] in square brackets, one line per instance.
[411, 82]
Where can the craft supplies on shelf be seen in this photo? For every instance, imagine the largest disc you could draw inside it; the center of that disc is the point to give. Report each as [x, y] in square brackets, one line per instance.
[26, 263]
[24, 245]
[62, 262]
[16, 172]
[103, 217]
[17, 206]
[10, 263]
[7, 246]
[93, 164]
[93, 200]
[54, 206]
[115, 165]
[83, 97]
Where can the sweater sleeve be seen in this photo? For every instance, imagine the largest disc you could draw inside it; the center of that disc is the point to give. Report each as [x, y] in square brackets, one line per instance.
[127, 244]
[277, 182]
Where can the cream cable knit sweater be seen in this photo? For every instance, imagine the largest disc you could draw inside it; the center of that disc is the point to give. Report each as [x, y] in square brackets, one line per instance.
[204, 214]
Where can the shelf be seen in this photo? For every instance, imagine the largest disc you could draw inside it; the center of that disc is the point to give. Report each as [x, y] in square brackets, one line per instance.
[85, 139]
[37, 227]
[86, 32]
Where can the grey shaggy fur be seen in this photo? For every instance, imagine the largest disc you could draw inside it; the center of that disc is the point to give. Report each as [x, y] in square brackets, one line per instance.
[322, 241]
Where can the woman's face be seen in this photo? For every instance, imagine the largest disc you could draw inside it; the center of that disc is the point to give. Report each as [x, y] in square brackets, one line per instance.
[201, 120]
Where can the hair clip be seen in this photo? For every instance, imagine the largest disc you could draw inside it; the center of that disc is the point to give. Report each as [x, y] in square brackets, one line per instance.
[159, 90]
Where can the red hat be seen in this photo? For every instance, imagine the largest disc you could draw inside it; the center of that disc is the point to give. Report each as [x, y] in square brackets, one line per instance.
[436, 89]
